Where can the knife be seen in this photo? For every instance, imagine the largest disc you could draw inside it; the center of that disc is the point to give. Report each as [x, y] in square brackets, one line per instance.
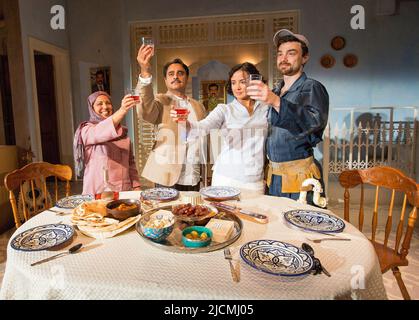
[242, 213]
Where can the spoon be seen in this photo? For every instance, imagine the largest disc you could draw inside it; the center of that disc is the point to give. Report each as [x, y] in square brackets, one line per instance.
[318, 267]
[73, 249]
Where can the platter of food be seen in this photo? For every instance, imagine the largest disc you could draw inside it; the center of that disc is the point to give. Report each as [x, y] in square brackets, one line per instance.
[93, 219]
[170, 222]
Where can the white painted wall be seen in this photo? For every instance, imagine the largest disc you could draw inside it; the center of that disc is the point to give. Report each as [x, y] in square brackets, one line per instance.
[95, 31]
[35, 19]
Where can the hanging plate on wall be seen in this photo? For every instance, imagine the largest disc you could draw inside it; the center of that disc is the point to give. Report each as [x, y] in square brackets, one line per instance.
[338, 43]
[350, 60]
[327, 61]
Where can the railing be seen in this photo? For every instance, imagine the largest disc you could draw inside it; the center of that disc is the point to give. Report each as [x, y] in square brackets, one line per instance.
[370, 143]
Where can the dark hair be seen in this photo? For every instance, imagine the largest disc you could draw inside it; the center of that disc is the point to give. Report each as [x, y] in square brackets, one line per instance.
[293, 39]
[246, 67]
[175, 61]
[100, 72]
[213, 85]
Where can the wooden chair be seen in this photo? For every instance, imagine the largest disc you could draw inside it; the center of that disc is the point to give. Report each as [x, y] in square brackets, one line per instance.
[395, 180]
[29, 182]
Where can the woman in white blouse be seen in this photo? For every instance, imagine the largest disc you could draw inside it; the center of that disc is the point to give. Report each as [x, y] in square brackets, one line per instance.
[243, 125]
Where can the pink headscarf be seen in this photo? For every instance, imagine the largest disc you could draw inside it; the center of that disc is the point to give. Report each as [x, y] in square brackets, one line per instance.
[78, 147]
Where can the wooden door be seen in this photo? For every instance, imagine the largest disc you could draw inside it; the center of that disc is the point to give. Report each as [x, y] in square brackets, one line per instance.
[6, 96]
[47, 108]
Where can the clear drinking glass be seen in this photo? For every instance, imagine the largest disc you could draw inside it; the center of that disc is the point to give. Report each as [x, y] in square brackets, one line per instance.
[147, 41]
[135, 94]
[181, 108]
[253, 77]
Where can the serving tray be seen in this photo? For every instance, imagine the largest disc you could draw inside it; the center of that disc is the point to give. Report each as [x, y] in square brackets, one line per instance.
[174, 243]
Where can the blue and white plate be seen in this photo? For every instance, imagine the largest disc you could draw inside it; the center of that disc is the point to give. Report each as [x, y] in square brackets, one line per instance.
[160, 194]
[220, 192]
[72, 202]
[42, 237]
[314, 221]
[276, 257]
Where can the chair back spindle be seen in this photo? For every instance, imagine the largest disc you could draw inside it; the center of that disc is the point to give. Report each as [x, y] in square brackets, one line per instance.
[29, 182]
[389, 179]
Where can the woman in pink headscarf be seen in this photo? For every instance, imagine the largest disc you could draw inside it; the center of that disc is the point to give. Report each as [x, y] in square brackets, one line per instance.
[102, 142]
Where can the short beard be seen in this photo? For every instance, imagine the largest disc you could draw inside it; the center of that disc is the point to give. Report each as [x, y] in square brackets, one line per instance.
[289, 71]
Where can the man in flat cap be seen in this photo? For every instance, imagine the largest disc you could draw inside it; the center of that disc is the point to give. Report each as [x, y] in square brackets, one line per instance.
[297, 118]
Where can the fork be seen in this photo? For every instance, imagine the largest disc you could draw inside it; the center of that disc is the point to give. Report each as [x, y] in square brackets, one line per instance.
[318, 240]
[59, 213]
[229, 257]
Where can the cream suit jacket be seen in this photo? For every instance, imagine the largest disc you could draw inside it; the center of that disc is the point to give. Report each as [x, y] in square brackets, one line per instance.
[166, 158]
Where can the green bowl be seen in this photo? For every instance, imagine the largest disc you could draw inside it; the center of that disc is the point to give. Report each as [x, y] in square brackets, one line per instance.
[196, 243]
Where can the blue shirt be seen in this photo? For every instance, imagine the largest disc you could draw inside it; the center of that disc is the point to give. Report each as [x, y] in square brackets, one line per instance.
[298, 126]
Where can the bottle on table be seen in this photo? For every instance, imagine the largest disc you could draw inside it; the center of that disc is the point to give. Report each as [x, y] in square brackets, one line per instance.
[108, 191]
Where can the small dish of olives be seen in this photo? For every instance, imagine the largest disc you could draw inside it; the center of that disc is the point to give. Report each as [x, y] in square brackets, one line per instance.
[196, 237]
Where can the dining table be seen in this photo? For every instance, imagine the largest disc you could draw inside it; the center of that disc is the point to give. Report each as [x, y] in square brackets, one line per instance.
[128, 266]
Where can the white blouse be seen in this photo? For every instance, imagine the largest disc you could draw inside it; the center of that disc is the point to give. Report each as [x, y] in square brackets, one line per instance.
[244, 135]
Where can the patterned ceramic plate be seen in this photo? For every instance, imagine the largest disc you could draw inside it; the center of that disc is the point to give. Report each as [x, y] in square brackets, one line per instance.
[160, 194]
[276, 257]
[219, 192]
[72, 202]
[42, 237]
[314, 221]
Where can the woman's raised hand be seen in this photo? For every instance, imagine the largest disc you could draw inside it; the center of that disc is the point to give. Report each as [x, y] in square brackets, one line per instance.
[127, 103]
[145, 53]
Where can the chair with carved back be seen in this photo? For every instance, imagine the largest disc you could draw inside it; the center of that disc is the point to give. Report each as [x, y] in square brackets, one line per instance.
[394, 180]
[29, 185]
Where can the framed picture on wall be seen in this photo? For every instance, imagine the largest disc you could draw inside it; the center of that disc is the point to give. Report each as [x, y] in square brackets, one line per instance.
[100, 79]
[212, 93]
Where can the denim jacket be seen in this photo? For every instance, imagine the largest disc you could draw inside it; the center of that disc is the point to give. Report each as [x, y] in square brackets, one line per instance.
[299, 125]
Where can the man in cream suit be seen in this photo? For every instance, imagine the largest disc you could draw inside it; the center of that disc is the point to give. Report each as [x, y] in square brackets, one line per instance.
[172, 162]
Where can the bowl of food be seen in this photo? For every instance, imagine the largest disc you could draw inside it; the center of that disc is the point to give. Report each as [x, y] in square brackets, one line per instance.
[157, 226]
[196, 237]
[194, 214]
[123, 208]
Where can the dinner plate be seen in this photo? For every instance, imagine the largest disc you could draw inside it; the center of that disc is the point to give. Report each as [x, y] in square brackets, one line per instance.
[73, 201]
[314, 221]
[160, 194]
[276, 257]
[220, 192]
[42, 237]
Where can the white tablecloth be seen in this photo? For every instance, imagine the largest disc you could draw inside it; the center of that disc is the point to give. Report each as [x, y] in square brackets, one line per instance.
[129, 267]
